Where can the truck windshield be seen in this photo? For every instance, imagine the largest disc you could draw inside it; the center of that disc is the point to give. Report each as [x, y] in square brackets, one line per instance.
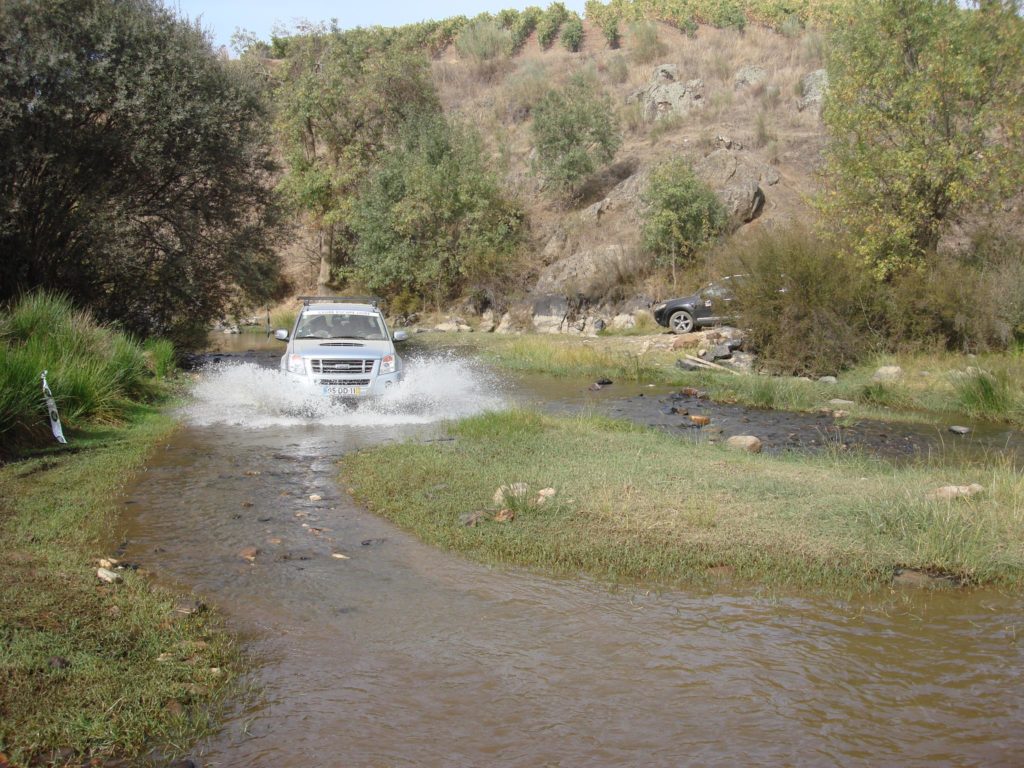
[340, 325]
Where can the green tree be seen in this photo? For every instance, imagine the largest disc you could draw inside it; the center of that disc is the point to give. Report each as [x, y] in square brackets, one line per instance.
[432, 219]
[926, 112]
[343, 98]
[681, 214]
[574, 132]
[135, 170]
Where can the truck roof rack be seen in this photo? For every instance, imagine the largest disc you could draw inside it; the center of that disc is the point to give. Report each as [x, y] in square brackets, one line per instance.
[373, 301]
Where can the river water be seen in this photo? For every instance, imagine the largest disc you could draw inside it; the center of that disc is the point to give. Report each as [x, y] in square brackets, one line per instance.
[397, 654]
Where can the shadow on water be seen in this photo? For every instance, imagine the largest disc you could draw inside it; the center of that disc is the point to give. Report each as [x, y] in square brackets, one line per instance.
[376, 650]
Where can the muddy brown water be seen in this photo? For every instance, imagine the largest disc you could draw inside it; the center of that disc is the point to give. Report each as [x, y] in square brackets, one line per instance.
[403, 655]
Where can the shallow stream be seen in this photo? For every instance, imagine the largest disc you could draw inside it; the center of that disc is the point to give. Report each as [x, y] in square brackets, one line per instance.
[397, 654]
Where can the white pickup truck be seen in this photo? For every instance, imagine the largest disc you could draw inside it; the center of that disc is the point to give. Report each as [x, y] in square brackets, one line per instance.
[341, 347]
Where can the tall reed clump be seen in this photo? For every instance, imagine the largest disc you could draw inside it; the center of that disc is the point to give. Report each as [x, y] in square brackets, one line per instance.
[985, 394]
[95, 373]
[486, 44]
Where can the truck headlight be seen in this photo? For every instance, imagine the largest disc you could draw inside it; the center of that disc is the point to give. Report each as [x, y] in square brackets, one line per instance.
[296, 364]
[387, 364]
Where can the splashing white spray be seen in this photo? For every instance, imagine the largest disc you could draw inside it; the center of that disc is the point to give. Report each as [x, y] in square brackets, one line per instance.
[434, 389]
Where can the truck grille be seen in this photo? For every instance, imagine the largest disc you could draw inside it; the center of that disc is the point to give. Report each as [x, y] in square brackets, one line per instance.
[341, 365]
[345, 382]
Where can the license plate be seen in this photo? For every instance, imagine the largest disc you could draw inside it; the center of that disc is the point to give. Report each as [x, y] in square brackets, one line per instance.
[333, 391]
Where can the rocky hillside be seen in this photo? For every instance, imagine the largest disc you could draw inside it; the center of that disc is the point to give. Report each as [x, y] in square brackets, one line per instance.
[742, 106]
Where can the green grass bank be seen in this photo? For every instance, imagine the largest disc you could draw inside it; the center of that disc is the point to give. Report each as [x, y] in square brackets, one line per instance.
[90, 669]
[634, 504]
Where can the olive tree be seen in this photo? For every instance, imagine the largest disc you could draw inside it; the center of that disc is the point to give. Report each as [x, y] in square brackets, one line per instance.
[135, 168]
[926, 114]
[574, 132]
[681, 214]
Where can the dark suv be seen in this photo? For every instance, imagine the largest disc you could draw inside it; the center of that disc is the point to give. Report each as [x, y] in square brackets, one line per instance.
[711, 305]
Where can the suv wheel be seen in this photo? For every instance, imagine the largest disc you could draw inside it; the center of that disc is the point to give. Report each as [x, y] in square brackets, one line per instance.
[681, 321]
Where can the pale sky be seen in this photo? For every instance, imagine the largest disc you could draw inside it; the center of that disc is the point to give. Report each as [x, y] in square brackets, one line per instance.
[221, 17]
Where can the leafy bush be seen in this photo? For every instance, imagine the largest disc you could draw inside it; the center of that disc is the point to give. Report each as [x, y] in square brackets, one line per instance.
[610, 30]
[953, 303]
[550, 22]
[647, 46]
[572, 33]
[524, 25]
[682, 214]
[809, 308]
[507, 18]
[432, 219]
[93, 372]
[574, 131]
[728, 14]
[484, 41]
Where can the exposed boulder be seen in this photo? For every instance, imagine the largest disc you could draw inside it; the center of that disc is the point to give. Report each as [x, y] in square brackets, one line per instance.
[590, 273]
[668, 95]
[813, 87]
[622, 322]
[887, 373]
[736, 179]
[747, 443]
[487, 322]
[749, 76]
[725, 142]
[555, 247]
[511, 492]
[950, 492]
[453, 325]
[550, 313]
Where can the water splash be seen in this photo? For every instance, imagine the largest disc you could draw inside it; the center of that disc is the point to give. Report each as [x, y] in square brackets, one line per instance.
[434, 389]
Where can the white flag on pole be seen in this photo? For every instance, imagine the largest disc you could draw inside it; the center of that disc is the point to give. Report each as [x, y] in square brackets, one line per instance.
[51, 407]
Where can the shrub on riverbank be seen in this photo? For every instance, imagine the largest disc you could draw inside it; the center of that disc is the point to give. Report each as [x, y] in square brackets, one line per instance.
[95, 373]
[649, 506]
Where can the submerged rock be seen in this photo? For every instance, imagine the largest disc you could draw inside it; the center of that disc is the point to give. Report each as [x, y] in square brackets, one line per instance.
[956, 430]
[909, 577]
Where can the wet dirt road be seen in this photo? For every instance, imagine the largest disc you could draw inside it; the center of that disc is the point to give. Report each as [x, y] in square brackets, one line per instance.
[402, 655]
